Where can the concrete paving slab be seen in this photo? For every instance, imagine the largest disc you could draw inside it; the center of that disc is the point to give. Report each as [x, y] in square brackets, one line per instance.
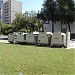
[4, 41]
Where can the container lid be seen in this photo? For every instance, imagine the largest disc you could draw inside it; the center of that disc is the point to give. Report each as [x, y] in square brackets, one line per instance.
[49, 33]
[63, 34]
[35, 32]
[24, 33]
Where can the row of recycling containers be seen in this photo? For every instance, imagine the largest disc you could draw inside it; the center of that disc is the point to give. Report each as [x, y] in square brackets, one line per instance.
[38, 38]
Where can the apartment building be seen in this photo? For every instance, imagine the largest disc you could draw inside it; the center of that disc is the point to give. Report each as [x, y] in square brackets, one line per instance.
[1, 10]
[9, 9]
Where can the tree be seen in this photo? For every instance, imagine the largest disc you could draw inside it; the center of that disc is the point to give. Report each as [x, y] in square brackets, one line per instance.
[59, 10]
[24, 22]
[31, 21]
[66, 11]
[20, 22]
[6, 29]
[49, 12]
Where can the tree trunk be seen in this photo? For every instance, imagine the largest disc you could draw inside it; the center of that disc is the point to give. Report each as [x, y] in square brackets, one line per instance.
[52, 23]
[69, 27]
[52, 27]
[61, 26]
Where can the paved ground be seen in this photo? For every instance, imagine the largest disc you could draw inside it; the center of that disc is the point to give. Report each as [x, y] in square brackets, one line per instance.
[4, 41]
[72, 44]
[4, 38]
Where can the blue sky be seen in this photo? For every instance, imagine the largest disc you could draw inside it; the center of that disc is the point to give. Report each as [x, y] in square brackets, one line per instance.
[28, 5]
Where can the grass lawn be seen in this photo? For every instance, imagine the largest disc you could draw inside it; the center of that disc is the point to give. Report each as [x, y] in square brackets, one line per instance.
[32, 60]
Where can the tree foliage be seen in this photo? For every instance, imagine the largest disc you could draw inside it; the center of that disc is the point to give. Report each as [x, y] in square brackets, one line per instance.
[67, 9]
[6, 29]
[58, 10]
[24, 22]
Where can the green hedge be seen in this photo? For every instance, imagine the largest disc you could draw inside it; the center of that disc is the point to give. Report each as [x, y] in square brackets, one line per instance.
[6, 29]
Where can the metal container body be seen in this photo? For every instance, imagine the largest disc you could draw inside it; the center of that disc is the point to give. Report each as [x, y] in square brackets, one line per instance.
[31, 38]
[19, 37]
[58, 39]
[44, 38]
[10, 37]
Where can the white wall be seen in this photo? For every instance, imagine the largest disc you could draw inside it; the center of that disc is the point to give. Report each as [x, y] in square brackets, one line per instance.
[57, 27]
[48, 27]
[72, 27]
[16, 8]
[12, 16]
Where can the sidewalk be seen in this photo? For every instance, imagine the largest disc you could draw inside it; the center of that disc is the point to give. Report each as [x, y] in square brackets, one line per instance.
[4, 38]
[4, 41]
[72, 44]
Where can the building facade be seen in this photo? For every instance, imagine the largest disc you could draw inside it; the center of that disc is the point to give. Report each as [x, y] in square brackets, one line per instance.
[9, 9]
[1, 10]
[58, 27]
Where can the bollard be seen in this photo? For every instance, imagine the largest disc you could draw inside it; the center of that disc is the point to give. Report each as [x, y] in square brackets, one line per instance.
[67, 39]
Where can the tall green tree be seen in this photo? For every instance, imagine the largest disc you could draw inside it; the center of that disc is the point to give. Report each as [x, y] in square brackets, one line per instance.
[66, 10]
[19, 22]
[50, 11]
[22, 22]
[59, 10]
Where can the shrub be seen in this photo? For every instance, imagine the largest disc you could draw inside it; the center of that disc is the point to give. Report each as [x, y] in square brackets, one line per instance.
[23, 30]
[6, 29]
